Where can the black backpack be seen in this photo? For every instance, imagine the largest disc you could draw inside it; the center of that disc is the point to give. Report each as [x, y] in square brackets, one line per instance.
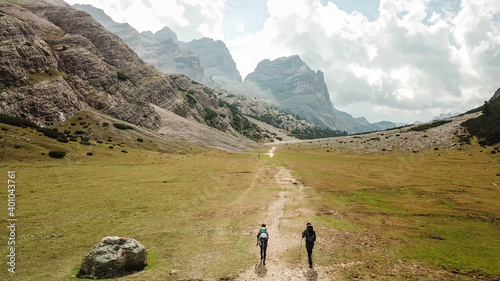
[310, 238]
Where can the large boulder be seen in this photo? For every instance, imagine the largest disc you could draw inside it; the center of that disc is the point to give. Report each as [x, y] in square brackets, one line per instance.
[114, 257]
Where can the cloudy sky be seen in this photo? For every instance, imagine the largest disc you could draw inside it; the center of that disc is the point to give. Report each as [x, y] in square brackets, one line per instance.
[397, 60]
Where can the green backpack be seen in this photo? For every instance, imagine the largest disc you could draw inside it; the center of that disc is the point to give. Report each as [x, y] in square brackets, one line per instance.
[263, 234]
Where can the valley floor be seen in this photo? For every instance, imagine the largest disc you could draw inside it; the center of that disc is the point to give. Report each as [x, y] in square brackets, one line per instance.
[384, 215]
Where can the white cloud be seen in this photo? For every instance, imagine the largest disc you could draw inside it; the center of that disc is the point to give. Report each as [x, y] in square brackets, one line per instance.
[403, 60]
[190, 19]
[240, 27]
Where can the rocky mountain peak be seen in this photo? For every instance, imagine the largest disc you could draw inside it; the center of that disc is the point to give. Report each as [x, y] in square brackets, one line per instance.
[56, 61]
[300, 90]
[164, 34]
[296, 88]
[159, 49]
[215, 57]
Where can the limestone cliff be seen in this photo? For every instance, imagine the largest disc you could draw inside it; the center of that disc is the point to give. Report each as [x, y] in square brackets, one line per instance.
[298, 89]
[56, 61]
[214, 57]
[495, 96]
[159, 49]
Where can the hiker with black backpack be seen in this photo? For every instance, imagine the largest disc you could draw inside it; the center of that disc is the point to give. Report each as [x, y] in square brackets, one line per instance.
[310, 235]
[262, 238]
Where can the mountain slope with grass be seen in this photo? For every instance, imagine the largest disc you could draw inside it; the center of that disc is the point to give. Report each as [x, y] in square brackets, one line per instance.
[53, 68]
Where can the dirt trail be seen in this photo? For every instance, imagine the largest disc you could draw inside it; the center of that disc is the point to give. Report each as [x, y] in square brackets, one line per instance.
[279, 243]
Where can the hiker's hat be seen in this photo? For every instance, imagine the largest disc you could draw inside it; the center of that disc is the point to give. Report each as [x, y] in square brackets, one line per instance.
[309, 224]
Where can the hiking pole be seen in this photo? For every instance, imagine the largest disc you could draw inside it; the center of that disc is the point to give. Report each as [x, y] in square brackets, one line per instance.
[300, 250]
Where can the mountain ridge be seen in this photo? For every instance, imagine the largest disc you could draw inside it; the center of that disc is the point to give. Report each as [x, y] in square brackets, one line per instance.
[52, 68]
[218, 69]
[303, 91]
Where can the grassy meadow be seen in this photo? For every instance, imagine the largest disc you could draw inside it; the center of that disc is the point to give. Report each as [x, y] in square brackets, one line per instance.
[194, 209]
[431, 215]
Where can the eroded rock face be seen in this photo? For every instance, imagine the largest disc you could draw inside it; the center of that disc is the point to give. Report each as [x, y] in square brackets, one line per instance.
[495, 96]
[296, 88]
[56, 61]
[214, 57]
[159, 49]
[114, 257]
[302, 91]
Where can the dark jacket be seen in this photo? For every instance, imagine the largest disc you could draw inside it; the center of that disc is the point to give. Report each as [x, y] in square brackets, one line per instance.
[310, 235]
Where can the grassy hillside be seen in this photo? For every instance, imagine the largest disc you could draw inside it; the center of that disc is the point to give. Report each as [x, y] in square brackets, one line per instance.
[487, 126]
[190, 211]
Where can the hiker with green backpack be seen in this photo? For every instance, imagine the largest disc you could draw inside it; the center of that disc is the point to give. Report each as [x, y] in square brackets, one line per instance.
[262, 238]
[310, 235]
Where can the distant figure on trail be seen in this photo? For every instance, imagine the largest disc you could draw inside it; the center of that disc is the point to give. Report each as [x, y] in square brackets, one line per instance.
[262, 238]
[310, 235]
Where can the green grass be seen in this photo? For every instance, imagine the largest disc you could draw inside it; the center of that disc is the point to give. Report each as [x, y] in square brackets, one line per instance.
[195, 215]
[179, 212]
[399, 216]
[389, 212]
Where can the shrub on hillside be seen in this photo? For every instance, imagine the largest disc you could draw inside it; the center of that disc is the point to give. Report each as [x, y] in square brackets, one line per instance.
[57, 154]
[51, 133]
[105, 124]
[140, 140]
[16, 121]
[191, 100]
[122, 76]
[63, 140]
[210, 114]
[122, 126]
[85, 142]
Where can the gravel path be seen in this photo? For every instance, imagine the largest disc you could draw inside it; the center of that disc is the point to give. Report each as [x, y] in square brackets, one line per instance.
[279, 243]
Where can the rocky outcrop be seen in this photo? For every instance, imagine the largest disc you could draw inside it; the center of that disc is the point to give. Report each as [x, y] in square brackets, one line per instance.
[196, 59]
[214, 57]
[56, 61]
[302, 91]
[159, 49]
[114, 257]
[259, 110]
[495, 96]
